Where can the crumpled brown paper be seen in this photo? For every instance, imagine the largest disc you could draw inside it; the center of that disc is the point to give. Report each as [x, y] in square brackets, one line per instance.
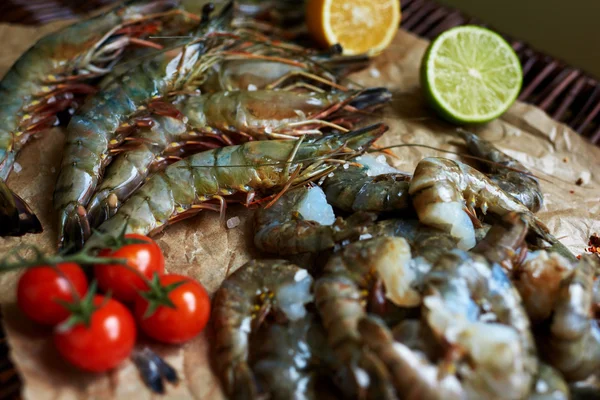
[202, 248]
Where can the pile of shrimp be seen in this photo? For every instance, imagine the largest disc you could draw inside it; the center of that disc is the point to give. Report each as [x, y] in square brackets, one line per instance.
[148, 85]
[440, 284]
[375, 283]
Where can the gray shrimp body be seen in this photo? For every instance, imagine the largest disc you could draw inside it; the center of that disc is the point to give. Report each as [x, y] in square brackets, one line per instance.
[56, 71]
[442, 190]
[246, 297]
[572, 341]
[498, 339]
[129, 169]
[340, 300]
[273, 114]
[292, 360]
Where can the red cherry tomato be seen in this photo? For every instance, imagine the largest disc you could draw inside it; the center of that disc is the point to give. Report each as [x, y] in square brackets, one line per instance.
[39, 288]
[103, 344]
[122, 281]
[179, 324]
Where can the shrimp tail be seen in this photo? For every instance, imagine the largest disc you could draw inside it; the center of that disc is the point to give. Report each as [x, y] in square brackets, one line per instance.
[75, 227]
[371, 97]
[16, 218]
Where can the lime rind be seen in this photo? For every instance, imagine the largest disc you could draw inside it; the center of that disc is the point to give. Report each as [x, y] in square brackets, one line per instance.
[471, 75]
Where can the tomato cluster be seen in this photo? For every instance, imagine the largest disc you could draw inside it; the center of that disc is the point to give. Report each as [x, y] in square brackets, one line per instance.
[97, 332]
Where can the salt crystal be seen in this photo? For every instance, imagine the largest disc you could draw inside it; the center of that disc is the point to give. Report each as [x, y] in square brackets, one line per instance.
[374, 72]
[346, 166]
[365, 236]
[17, 167]
[251, 87]
[268, 129]
[362, 377]
[541, 386]
[233, 222]
[330, 175]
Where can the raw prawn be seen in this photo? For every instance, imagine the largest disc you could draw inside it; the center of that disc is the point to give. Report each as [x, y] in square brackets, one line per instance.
[472, 306]
[160, 137]
[506, 172]
[301, 221]
[571, 340]
[190, 185]
[413, 375]
[445, 192]
[248, 296]
[368, 188]
[46, 78]
[341, 297]
[428, 244]
[270, 114]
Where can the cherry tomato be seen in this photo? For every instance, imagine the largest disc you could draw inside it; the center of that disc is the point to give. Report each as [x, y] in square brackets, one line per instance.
[122, 281]
[179, 324]
[39, 288]
[103, 344]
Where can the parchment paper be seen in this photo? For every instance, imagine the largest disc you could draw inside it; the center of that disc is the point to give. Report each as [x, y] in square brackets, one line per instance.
[201, 248]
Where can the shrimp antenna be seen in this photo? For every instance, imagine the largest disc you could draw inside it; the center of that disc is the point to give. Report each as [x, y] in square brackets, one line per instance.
[483, 160]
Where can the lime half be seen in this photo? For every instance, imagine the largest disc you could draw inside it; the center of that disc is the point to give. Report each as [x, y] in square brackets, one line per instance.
[471, 75]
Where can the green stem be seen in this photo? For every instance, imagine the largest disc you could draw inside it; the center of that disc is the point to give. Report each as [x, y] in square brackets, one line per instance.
[81, 258]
